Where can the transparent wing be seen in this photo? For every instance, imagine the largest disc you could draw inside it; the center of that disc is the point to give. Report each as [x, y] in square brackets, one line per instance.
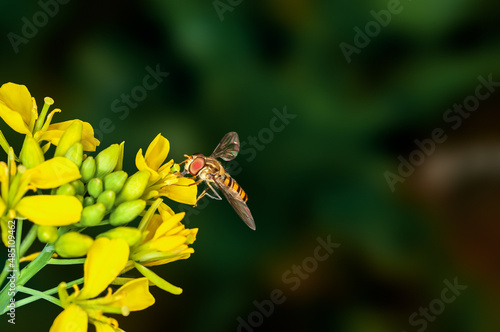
[228, 147]
[237, 203]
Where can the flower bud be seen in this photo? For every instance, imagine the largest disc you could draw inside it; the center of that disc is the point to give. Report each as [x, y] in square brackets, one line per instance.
[31, 154]
[175, 168]
[72, 135]
[130, 234]
[88, 169]
[47, 234]
[134, 187]
[92, 214]
[80, 198]
[66, 189]
[79, 187]
[73, 244]
[126, 212]
[106, 160]
[88, 200]
[75, 154]
[115, 181]
[95, 187]
[107, 198]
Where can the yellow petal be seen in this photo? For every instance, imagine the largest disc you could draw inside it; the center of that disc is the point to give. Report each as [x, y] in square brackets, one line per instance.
[72, 319]
[185, 254]
[134, 295]
[164, 169]
[141, 165]
[152, 226]
[18, 99]
[119, 164]
[183, 191]
[103, 327]
[168, 243]
[168, 224]
[165, 211]
[55, 131]
[13, 119]
[191, 237]
[50, 210]
[53, 173]
[157, 152]
[105, 260]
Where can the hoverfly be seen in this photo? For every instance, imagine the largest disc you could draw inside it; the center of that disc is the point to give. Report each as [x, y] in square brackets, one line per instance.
[210, 170]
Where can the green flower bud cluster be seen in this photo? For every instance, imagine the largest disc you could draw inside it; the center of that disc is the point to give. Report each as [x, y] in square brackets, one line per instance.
[110, 191]
[108, 195]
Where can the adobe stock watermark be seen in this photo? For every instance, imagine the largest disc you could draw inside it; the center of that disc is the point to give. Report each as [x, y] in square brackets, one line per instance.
[222, 6]
[436, 307]
[30, 28]
[293, 278]
[249, 149]
[128, 101]
[454, 116]
[10, 310]
[372, 29]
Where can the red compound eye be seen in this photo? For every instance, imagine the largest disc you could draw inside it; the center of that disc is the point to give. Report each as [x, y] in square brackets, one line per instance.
[196, 165]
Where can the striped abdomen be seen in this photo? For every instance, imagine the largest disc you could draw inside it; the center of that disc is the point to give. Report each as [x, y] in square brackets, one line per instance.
[231, 183]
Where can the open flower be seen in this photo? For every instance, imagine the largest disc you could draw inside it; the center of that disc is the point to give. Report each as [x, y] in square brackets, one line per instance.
[48, 210]
[162, 181]
[165, 240]
[105, 261]
[18, 109]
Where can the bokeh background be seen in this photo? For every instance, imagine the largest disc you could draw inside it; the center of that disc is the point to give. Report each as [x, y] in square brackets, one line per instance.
[321, 176]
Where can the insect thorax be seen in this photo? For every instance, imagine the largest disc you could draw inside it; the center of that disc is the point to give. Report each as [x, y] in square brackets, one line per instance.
[212, 169]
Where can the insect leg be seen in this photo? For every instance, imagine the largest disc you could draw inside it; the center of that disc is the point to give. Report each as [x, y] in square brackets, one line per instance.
[203, 193]
[217, 196]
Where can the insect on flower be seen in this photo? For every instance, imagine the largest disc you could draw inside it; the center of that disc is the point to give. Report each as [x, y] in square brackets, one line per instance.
[210, 170]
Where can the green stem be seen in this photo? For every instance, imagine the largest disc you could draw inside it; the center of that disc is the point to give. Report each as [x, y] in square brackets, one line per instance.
[48, 292]
[8, 292]
[29, 271]
[38, 294]
[55, 261]
[26, 243]
[28, 240]
[5, 272]
[19, 234]
[26, 274]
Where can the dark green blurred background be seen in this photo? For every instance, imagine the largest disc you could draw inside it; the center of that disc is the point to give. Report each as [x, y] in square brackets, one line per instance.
[322, 175]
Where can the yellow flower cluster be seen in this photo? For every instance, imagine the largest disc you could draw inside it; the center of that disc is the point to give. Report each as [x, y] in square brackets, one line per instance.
[66, 194]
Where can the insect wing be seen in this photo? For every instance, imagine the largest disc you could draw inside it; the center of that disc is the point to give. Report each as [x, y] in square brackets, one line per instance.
[228, 147]
[237, 203]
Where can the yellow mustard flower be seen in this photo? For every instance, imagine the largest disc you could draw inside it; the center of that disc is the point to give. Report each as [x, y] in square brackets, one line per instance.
[48, 210]
[165, 240]
[162, 181]
[73, 318]
[19, 110]
[105, 261]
